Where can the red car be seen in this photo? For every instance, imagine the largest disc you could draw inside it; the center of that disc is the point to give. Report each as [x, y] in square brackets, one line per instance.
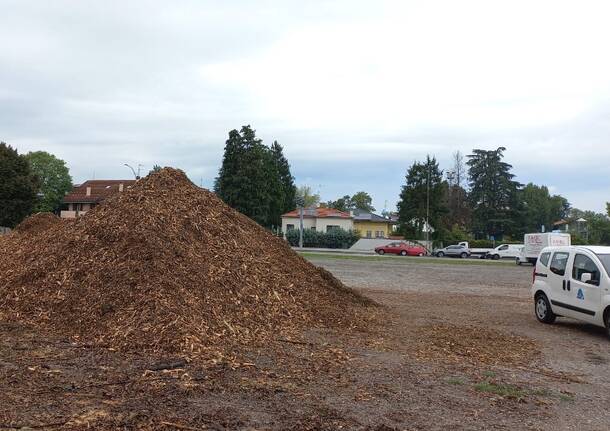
[401, 248]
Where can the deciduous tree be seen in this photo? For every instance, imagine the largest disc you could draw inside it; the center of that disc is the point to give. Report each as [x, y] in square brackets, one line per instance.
[54, 179]
[306, 196]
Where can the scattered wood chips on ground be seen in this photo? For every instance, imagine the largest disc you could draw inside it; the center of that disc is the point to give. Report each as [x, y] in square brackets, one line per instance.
[473, 344]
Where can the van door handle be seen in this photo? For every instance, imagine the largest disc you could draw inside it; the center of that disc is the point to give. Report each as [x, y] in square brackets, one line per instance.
[568, 285]
[563, 284]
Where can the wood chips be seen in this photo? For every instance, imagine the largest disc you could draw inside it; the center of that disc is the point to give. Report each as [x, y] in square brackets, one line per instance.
[165, 267]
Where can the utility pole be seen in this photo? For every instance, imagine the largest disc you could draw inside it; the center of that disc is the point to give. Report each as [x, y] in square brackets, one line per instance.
[301, 226]
[428, 206]
[300, 202]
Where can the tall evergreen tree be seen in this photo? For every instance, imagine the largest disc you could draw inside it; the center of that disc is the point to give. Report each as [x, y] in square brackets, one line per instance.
[288, 189]
[423, 181]
[18, 187]
[54, 177]
[255, 179]
[494, 198]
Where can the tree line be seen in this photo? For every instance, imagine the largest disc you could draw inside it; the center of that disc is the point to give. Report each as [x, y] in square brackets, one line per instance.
[479, 198]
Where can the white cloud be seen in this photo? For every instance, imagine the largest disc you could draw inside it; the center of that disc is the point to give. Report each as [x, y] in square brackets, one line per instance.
[340, 84]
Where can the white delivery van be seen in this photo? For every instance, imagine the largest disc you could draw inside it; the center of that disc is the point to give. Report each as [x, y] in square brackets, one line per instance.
[533, 243]
[573, 282]
[511, 251]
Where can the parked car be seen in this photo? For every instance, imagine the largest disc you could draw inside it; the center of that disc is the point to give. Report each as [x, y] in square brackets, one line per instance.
[573, 281]
[401, 248]
[511, 251]
[459, 250]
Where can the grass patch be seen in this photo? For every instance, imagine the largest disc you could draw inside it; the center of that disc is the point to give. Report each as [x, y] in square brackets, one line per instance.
[507, 391]
[490, 374]
[401, 259]
[515, 392]
[456, 381]
[568, 398]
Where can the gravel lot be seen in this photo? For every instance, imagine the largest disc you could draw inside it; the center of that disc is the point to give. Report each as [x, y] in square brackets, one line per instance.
[573, 366]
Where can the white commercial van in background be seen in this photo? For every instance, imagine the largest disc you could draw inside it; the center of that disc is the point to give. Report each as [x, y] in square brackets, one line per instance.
[511, 251]
[533, 243]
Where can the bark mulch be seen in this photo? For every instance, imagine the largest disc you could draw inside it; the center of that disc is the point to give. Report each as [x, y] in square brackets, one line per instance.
[166, 267]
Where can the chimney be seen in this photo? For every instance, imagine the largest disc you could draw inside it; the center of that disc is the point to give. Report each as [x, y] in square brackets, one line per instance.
[120, 187]
[88, 191]
[351, 213]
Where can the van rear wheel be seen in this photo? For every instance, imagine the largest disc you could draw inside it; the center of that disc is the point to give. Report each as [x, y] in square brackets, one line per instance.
[608, 323]
[542, 308]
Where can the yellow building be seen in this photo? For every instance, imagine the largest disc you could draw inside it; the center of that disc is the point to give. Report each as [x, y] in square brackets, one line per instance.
[371, 225]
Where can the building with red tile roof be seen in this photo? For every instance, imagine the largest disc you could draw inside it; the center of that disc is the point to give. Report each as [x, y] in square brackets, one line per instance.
[318, 219]
[87, 195]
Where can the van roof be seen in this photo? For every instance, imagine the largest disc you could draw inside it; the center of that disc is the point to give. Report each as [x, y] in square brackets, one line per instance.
[597, 249]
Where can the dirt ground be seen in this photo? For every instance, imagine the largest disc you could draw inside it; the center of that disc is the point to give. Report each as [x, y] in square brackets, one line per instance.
[455, 346]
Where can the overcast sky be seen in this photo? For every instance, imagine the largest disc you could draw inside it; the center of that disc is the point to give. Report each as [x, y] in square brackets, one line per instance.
[355, 91]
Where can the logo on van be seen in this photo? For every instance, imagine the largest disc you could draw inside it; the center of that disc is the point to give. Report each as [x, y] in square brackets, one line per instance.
[580, 294]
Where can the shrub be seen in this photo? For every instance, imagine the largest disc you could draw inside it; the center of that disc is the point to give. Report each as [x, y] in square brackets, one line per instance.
[338, 238]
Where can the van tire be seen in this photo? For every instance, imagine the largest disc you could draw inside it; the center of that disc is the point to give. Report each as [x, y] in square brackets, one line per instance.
[440, 254]
[518, 261]
[607, 322]
[496, 257]
[542, 309]
[464, 255]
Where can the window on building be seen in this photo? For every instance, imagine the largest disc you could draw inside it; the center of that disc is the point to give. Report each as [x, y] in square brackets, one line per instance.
[369, 234]
[379, 234]
[289, 227]
[332, 227]
[313, 228]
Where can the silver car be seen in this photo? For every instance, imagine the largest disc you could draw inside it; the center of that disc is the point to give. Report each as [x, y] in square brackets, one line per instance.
[453, 251]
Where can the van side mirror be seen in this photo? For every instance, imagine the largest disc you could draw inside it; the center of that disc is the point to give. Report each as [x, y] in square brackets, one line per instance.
[587, 277]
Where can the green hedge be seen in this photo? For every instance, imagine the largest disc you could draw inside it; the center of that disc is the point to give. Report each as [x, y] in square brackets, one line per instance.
[338, 238]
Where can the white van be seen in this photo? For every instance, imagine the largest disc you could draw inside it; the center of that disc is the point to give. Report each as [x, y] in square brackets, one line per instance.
[511, 251]
[573, 281]
[535, 242]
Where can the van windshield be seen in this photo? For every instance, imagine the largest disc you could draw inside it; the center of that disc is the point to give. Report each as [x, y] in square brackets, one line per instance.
[605, 258]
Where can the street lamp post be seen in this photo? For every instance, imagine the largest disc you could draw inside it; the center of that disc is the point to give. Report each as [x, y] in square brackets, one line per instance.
[136, 175]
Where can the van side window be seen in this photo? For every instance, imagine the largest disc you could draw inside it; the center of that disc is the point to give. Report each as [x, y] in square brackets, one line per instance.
[559, 262]
[544, 258]
[504, 247]
[583, 265]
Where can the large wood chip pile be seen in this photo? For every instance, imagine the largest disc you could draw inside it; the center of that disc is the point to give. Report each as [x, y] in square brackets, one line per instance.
[165, 267]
